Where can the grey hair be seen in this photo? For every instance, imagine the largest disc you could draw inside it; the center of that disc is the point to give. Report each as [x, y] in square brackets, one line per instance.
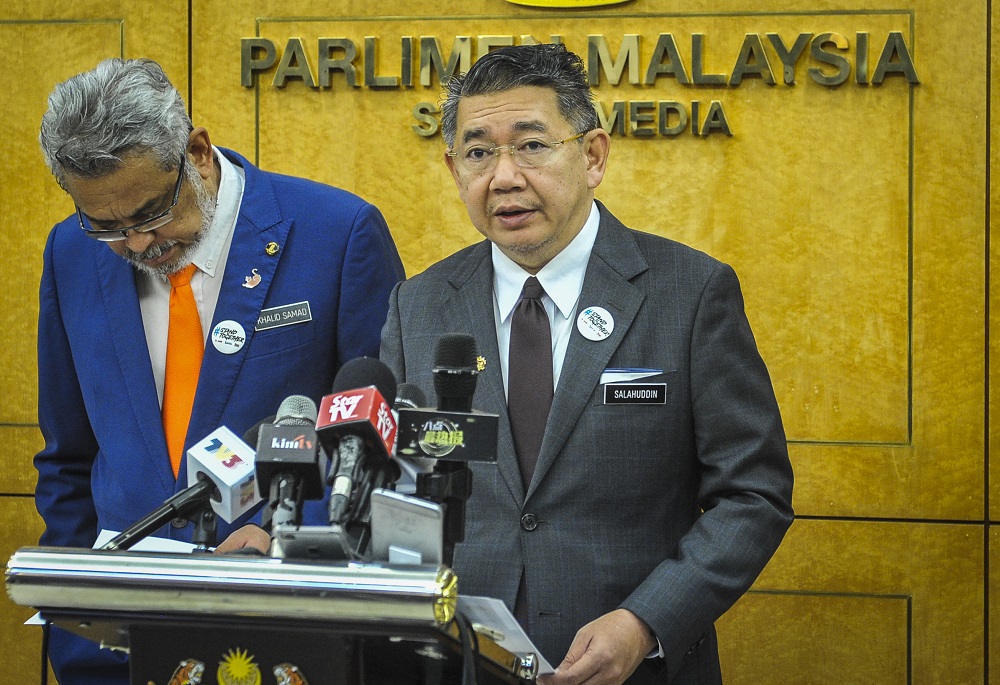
[546, 65]
[98, 117]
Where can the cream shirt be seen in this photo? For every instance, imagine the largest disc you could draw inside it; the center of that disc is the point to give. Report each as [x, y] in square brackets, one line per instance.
[210, 258]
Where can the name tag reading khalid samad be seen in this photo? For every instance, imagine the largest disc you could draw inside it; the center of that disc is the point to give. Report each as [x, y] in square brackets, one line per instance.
[284, 315]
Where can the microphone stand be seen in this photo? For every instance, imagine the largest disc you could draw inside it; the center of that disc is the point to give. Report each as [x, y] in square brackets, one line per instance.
[193, 499]
[449, 484]
[206, 527]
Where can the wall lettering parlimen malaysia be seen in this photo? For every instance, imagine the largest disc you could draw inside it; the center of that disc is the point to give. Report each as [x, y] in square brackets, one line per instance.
[828, 59]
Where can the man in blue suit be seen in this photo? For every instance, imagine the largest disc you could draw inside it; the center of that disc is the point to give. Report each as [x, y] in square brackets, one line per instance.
[291, 280]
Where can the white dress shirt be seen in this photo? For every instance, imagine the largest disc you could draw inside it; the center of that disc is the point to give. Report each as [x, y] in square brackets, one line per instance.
[210, 258]
[562, 280]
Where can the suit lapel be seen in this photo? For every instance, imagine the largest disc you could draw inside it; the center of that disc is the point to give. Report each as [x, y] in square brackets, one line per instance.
[125, 331]
[614, 262]
[258, 225]
[467, 310]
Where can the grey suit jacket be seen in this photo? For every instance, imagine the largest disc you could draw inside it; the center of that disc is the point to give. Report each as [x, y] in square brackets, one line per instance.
[669, 510]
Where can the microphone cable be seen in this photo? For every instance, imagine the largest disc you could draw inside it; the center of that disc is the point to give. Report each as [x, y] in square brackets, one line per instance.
[45, 652]
[471, 674]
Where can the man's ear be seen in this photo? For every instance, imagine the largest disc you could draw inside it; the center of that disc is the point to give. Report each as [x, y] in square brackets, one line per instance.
[200, 153]
[596, 147]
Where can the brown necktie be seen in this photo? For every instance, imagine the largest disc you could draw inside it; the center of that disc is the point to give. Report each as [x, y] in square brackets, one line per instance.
[529, 376]
[185, 349]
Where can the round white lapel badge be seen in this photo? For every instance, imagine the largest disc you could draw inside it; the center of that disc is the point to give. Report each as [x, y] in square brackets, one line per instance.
[595, 323]
[228, 336]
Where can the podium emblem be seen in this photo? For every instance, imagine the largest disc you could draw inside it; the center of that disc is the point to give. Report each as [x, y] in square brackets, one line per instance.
[189, 672]
[238, 668]
[289, 674]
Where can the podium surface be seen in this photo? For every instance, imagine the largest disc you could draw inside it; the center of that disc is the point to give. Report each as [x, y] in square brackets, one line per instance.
[337, 622]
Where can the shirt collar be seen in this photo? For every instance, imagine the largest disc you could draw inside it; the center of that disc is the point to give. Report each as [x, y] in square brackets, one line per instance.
[561, 278]
[209, 253]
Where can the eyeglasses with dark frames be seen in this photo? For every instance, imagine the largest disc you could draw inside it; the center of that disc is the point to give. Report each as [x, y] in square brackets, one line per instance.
[109, 235]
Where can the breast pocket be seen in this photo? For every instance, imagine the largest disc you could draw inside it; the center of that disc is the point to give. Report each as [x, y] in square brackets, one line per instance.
[281, 339]
[650, 391]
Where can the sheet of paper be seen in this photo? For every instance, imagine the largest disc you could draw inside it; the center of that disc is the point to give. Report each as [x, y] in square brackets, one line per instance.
[495, 615]
[149, 544]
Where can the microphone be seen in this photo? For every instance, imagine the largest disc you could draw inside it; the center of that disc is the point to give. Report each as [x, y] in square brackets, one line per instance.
[453, 434]
[452, 431]
[409, 396]
[455, 372]
[356, 423]
[220, 470]
[290, 465]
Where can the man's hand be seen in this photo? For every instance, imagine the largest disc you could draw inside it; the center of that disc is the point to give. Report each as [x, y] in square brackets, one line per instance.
[247, 536]
[606, 651]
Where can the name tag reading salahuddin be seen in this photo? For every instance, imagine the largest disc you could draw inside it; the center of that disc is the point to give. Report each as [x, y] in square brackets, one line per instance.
[285, 315]
[635, 393]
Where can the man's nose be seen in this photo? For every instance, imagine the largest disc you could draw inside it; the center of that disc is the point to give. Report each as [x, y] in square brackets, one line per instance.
[507, 172]
[139, 242]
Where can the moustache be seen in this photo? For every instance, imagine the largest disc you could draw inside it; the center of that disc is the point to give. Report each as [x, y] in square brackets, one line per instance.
[150, 253]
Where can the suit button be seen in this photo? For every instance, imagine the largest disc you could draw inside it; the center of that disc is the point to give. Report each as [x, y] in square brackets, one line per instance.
[529, 522]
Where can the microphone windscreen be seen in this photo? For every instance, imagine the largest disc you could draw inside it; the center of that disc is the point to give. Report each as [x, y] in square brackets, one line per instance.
[409, 396]
[361, 372]
[455, 350]
[250, 437]
[455, 366]
[296, 410]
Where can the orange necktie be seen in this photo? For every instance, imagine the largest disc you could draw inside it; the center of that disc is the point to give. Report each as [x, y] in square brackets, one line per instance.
[185, 348]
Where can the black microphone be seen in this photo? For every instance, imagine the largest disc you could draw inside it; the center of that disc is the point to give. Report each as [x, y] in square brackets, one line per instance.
[355, 422]
[290, 464]
[452, 431]
[455, 371]
[409, 396]
[180, 505]
[453, 434]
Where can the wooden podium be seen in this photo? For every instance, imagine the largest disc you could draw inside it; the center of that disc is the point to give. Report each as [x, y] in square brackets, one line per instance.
[243, 620]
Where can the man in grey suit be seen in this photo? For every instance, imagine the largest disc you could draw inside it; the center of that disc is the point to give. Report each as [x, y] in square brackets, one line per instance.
[662, 484]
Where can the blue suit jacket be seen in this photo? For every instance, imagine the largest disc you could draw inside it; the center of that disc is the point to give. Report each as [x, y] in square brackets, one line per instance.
[105, 462]
[668, 510]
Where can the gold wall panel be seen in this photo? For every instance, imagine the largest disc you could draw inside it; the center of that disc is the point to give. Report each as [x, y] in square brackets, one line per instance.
[20, 526]
[47, 42]
[30, 201]
[855, 216]
[920, 585]
[829, 201]
[848, 639]
[993, 320]
[994, 609]
[777, 256]
[20, 444]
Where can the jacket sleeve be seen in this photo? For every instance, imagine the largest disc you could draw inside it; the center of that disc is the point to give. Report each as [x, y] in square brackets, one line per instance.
[391, 351]
[371, 269]
[63, 495]
[745, 490]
